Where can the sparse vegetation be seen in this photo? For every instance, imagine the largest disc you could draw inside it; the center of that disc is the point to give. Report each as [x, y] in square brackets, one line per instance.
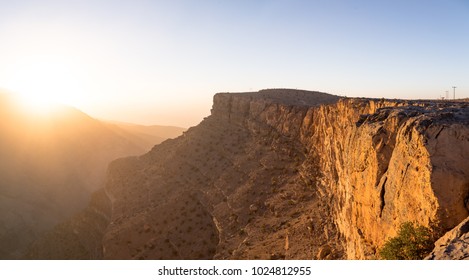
[413, 242]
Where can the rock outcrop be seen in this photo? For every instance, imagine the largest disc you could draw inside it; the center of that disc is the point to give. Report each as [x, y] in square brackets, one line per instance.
[288, 174]
[454, 245]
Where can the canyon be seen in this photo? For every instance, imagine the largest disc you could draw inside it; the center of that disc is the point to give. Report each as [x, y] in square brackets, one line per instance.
[50, 164]
[281, 174]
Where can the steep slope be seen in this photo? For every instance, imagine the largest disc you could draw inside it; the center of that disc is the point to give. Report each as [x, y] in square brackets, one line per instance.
[283, 174]
[50, 165]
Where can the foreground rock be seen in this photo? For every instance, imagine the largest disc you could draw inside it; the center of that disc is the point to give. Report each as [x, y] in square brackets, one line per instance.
[282, 174]
[454, 245]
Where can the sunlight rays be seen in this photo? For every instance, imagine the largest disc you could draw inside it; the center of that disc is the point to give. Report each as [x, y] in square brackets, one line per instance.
[40, 83]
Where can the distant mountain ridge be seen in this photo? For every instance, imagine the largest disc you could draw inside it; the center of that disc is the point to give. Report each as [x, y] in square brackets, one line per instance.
[50, 165]
[146, 135]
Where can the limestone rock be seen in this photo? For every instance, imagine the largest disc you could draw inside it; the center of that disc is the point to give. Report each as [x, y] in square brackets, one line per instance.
[454, 245]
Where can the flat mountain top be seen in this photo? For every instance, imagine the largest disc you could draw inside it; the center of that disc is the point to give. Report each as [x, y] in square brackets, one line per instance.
[290, 96]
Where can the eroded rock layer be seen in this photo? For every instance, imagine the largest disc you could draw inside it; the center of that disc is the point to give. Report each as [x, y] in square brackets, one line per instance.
[288, 174]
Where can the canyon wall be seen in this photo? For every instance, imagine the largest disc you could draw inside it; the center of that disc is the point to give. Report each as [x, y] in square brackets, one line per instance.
[379, 163]
[385, 163]
[288, 174]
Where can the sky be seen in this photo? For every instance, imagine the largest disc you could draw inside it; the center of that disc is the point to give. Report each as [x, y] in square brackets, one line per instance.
[161, 62]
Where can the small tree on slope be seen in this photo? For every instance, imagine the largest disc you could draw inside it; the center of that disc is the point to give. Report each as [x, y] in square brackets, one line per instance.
[413, 242]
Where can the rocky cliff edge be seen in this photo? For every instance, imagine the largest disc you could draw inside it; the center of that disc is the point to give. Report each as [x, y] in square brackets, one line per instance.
[288, 174]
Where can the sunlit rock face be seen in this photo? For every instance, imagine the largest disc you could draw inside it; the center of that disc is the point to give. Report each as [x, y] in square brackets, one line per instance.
[397, 162]
[282, 174]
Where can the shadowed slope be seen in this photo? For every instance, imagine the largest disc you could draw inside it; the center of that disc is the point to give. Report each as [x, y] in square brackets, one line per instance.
[49, 165]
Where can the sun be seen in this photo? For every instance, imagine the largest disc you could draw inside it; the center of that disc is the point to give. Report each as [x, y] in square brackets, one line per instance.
[41, 83]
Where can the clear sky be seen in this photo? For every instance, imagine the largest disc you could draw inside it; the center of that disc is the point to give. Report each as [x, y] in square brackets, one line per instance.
[160, 62]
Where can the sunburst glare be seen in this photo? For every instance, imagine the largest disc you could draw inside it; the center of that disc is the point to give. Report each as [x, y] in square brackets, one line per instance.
[41, 83]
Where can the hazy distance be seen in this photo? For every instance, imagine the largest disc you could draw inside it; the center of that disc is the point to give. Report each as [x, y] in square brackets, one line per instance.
[161, 62]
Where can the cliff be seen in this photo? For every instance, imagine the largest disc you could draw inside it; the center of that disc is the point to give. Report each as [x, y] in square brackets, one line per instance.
[288, 174]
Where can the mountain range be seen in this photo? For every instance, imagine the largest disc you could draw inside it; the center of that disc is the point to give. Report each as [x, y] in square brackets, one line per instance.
[51, 164]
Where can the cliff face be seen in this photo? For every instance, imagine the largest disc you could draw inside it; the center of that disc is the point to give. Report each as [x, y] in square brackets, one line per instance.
[286, 174]
[378, 164]
[400, 162]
